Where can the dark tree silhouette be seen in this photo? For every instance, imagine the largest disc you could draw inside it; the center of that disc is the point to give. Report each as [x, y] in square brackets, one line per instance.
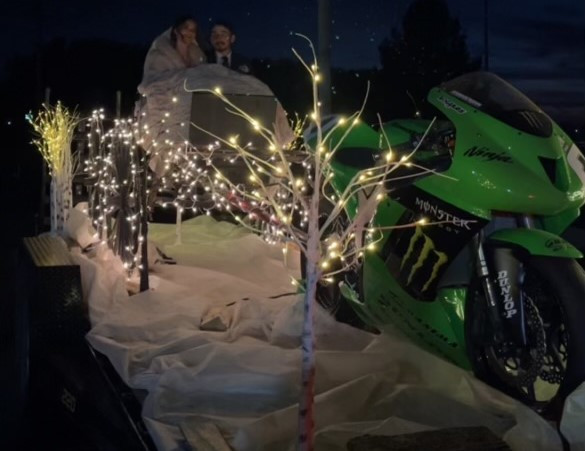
[84, 74]
[430, 48]
[288, 80]
[349, 88]
[290, 83]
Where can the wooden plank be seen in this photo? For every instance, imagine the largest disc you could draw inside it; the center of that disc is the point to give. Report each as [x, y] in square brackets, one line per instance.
[48, 250]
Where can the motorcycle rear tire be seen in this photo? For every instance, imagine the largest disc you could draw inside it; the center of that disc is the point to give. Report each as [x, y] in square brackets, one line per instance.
[563, 281]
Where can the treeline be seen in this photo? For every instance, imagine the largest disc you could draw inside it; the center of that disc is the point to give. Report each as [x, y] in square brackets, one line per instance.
[428, 48]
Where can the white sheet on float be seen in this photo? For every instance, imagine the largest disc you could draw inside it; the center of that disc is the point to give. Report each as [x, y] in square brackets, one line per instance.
[245, 380]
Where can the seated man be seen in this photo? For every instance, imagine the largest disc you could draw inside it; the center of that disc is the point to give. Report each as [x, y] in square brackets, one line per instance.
[222, 39]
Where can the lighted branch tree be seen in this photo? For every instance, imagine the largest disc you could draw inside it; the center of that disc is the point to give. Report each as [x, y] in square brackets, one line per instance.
[54, 127]
[187, 180]
[116, 168]
[113, 166]
[290, 206]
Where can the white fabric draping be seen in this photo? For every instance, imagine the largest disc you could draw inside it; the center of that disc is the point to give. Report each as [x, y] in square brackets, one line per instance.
[241, 384]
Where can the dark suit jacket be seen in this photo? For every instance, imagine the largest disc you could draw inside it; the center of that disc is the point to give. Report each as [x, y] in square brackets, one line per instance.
[238, 62]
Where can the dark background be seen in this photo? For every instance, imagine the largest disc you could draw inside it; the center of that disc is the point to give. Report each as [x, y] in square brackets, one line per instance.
[86, 51]
[538, 45]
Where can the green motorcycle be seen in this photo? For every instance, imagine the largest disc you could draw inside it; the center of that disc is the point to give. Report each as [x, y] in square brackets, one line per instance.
[493, 288]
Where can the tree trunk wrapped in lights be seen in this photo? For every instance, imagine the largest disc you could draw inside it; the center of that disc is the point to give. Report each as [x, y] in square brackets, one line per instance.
[114, 166]
[290, 207]
[122, 201]
[94, 170]
[54, 127]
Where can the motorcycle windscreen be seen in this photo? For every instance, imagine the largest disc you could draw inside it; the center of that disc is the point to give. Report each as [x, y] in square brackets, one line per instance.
[490, 94]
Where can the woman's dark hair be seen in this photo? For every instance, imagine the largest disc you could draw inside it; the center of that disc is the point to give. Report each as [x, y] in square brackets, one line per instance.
[177, 26]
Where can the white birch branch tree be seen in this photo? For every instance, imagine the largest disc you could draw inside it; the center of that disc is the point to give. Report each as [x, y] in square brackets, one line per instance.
[290, 207]
[54, 127]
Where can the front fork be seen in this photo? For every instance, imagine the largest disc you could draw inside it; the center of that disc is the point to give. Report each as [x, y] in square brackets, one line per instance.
[501, 276]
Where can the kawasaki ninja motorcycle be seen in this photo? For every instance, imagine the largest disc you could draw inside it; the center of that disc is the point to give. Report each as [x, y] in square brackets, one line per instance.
[493, 288]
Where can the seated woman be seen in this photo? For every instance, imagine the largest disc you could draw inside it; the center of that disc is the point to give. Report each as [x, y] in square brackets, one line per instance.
[175, 49]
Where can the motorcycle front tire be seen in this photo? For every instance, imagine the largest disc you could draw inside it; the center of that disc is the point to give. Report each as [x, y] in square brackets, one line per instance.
[556, 287]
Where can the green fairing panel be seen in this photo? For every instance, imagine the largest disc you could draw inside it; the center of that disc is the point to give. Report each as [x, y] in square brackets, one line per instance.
[537, 242]
[574, 168]
[401, 131]
[488, 176]
[436, 326]
[360, 135]
[344, 174]
[559, 223]
[452, 300]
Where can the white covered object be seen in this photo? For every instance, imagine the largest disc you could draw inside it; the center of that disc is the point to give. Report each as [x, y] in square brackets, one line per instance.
[103, 281]
[245, 380]
[79, 228]
[166, 105]
[574, 419]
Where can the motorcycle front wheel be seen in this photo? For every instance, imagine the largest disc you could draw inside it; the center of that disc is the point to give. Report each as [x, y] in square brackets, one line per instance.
[543, 373]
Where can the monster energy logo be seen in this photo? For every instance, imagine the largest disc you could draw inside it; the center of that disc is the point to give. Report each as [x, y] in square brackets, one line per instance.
[442, 215]
[428, 249]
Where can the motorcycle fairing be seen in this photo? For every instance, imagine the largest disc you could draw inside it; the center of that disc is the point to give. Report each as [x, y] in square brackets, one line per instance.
[498, 167]
[418, 256]
[436, 326]
[536, 242]
[501, 162]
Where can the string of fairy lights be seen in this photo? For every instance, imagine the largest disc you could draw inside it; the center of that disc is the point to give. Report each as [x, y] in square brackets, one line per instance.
[112, 166]
[286, 180]
[54, 128]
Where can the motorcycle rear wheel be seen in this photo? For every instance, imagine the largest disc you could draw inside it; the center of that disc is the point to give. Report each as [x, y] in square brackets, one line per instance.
[552, 365]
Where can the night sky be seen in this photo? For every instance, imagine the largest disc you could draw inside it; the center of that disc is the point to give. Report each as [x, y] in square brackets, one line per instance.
[537, 45]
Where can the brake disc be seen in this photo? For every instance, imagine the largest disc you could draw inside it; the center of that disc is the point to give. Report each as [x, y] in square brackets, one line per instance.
[507, 353]
[552, 371]
[537, 328]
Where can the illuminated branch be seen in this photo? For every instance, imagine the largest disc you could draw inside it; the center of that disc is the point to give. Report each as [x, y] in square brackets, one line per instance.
[54, 127]
[114, 165]
[333, 226]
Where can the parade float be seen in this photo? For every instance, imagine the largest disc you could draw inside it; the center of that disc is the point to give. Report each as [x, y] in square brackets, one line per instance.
[205, 321]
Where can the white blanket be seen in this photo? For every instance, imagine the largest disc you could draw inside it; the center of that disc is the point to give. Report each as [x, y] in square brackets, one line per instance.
[166, 105]
[243, 383]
